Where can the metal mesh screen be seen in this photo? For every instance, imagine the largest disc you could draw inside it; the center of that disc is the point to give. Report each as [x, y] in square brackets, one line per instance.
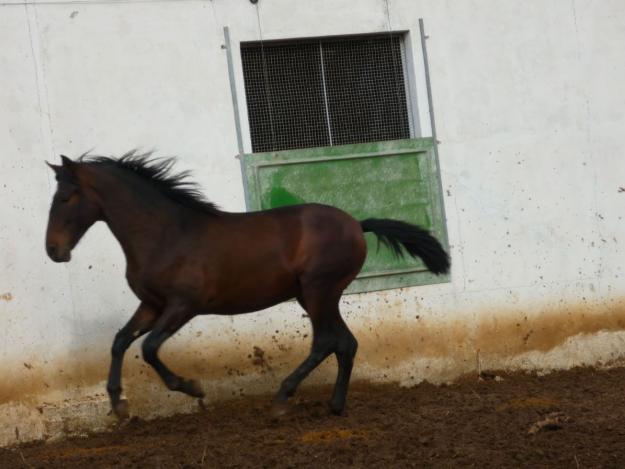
[285, 102]
[325, 92]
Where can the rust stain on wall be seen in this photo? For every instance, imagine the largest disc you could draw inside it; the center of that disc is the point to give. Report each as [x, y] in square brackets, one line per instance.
[6, 296]
[497, 333]
[384, 343]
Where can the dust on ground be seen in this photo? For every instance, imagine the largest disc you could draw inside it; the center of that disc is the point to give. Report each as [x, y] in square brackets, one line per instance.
[565, 419]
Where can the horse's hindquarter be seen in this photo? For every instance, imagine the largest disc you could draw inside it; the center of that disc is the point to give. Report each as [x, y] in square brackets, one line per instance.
[333, 246]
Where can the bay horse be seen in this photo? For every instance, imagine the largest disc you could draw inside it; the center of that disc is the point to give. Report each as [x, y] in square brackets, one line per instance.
[186, 257]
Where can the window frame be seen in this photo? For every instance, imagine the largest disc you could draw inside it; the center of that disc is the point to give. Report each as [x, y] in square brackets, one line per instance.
[415, 81]
[410, 101]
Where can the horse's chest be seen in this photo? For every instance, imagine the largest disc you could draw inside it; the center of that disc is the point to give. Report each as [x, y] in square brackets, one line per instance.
[156, 285]
[140, 286]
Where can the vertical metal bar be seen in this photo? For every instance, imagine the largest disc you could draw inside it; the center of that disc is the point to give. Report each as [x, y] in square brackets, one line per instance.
[233, 90]
[325, 93]
[413, 124]
[428, 85]
[237, 117]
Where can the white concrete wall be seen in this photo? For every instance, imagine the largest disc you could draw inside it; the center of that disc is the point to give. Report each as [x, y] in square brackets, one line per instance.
[529, 106]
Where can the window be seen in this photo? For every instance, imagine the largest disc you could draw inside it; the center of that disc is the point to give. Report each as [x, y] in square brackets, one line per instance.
[330, 122]
[325, 92]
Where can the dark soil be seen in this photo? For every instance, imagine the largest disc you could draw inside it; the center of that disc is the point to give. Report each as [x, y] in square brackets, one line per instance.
[565, 419]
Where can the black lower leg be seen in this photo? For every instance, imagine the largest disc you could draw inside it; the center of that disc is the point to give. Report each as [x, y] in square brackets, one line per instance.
[322, 347]
[320, 300]
[113, 386]
[139, 324]
[345, 353]
[166, 327]
[171, 380]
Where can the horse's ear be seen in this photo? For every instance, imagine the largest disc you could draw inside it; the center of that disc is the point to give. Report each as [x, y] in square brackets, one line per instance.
[64, 172]
[69, 167]
[67, 162]
[54, 167]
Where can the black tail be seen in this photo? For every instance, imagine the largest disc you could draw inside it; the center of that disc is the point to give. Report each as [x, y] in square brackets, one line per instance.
[417, 241]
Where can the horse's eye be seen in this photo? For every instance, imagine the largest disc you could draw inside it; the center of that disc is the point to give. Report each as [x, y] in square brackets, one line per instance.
[64, 198]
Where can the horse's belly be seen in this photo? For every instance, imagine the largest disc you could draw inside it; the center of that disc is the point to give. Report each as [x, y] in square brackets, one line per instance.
[247, 296]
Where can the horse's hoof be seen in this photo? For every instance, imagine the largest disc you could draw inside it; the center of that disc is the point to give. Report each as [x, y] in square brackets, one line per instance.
[193, 388]
[335, 409]
[279, 410]
[121, 409]
[202, 404]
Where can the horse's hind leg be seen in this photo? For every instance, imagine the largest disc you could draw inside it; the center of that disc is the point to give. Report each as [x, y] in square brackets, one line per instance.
[345, 352]
[173, 318]
[330, 335]
[140, 323]
[322, 347]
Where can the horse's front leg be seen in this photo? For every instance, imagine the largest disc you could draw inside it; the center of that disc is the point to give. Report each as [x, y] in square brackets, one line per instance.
[174, 316]
[141, 322]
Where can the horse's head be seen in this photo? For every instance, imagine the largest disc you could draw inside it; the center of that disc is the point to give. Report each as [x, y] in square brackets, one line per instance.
[71, 214]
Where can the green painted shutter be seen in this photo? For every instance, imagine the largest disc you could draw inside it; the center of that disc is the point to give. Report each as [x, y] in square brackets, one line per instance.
[393, 179]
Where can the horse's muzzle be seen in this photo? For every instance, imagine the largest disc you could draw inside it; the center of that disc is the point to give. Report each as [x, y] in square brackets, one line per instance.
[57, 254]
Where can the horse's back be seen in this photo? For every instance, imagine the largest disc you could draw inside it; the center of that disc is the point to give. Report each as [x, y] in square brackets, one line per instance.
[313, 228]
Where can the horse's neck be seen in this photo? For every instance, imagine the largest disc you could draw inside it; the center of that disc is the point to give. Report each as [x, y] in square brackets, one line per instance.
[137, 216]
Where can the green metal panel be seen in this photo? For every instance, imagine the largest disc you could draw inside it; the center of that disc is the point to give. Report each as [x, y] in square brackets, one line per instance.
[393, 179]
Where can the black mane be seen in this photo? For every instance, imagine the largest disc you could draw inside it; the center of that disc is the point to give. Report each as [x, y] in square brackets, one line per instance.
[158, 172]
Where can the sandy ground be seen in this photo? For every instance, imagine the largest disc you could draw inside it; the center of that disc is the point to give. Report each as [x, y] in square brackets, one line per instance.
[565, 419]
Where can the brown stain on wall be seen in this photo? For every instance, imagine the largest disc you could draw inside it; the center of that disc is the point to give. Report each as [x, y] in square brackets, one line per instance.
[384, 343]
[6, 296]
[496, 333]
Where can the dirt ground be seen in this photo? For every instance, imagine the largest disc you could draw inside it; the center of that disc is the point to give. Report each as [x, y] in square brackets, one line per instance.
[566, 419]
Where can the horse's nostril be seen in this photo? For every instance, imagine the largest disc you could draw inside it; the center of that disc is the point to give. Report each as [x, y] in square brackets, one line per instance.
[51, 250]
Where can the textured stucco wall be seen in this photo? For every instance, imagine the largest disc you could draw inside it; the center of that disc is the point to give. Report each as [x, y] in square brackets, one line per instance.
[529, 109]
